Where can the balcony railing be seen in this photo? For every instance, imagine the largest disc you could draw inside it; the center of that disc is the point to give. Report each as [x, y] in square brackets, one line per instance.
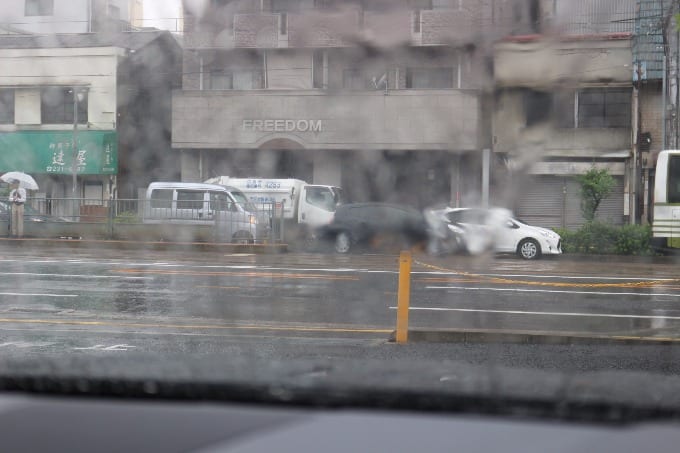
[319, 28]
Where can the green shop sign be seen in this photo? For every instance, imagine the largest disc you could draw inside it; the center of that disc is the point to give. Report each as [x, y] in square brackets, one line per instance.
[52, 152]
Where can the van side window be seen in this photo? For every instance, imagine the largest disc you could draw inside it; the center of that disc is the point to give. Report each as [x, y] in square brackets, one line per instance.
[161, 198]
[187, 199]
[219, 201]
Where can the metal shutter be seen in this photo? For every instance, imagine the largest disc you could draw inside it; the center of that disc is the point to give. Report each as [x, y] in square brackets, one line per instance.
[541, 201]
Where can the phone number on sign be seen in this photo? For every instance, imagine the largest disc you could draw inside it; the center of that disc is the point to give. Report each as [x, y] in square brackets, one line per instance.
[257, 184]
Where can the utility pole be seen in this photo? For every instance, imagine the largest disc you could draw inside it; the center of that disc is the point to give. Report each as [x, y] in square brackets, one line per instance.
[74, 168]
[637, 160]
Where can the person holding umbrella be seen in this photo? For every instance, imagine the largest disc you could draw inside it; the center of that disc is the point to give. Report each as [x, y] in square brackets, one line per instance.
[19, 182]
[17, 198]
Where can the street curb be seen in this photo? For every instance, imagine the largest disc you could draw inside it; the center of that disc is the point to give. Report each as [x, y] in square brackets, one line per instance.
[511, 337]
[144, 245]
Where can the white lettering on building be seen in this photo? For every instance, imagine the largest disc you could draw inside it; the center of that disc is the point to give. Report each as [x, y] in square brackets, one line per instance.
[280, 125]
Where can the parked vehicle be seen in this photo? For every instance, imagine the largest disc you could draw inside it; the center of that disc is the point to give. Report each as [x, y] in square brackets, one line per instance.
[666, 223]
[497, 230]
[306, 207]
[227, 208]
[377, 225]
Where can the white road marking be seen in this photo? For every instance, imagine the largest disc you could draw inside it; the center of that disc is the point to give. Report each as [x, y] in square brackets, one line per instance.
[542, 313]
[26, 344]
[338, 270]
[102, 347]
[524, 290]
[562, 277]
[39, 294]
[36, 274]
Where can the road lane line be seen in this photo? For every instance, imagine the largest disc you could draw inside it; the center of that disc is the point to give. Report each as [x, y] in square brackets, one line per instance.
[637, 283]
[238, 274]
[541, 313]
[268, 327]
[35, 274]
[217, 287]
[38, 294]
[525, 290]
[543, 276]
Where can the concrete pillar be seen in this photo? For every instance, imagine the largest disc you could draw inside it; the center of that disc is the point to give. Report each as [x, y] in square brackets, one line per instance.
[327, 168]
[486, 171]
[190, 166]
[454, 170]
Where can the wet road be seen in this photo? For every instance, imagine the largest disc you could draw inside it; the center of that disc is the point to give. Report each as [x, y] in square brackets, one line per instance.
[102, 299]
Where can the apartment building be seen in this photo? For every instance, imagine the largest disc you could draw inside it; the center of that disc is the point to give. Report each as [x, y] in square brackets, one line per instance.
[387, 98]
[655, 58]
[109, 94]
[69, 16]
[565, 102]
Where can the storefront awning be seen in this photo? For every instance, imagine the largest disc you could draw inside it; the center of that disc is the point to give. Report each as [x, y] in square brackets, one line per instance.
[51, 152]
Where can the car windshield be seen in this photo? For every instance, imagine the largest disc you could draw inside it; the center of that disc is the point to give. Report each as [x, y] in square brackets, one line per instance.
[128, 124]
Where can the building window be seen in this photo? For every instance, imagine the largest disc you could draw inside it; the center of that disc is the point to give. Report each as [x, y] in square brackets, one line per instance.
[377, 5]
[220, 80]
[416, 21]
[352, 79]
[56, 105]
[608, 108]
[537, 107]
[357, 79]
[285, 6]
[564, 109]
[535, 16]
[317, 69]
[235, 80]
[419, 4]
[326, 4]
[429, 78]
[6, 106]
[593, 108]
[39, 8]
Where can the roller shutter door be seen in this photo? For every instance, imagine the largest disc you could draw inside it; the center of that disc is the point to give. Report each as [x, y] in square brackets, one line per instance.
[541, 201]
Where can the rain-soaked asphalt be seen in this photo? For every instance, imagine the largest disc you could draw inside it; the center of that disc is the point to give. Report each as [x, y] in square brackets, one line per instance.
[63, 299]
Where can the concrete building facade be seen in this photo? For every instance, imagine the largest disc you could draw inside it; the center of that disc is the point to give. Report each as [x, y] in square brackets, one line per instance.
[69, 16]
[89, 90]
[387, 98]
[564, 102]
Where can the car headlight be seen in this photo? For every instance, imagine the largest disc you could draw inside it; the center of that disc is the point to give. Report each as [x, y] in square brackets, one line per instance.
[549, 234]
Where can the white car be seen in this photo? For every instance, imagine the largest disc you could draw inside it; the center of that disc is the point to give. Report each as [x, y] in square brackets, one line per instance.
[496, 229]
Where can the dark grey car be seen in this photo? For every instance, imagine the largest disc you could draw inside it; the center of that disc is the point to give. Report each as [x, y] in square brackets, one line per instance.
[375, 225]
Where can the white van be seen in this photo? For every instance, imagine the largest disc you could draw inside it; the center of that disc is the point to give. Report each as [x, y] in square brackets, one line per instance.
[226, 208]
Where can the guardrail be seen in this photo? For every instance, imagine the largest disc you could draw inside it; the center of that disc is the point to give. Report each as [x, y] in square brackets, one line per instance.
[161, 220]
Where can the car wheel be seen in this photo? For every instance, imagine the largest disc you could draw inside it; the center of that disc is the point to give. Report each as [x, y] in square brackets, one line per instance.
[343, 242]
[529, 249]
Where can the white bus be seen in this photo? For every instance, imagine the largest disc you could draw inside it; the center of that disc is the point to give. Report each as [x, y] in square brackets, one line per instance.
[666, 224]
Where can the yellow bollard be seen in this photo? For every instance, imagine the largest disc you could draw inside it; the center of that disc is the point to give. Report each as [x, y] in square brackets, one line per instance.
[403, 296]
